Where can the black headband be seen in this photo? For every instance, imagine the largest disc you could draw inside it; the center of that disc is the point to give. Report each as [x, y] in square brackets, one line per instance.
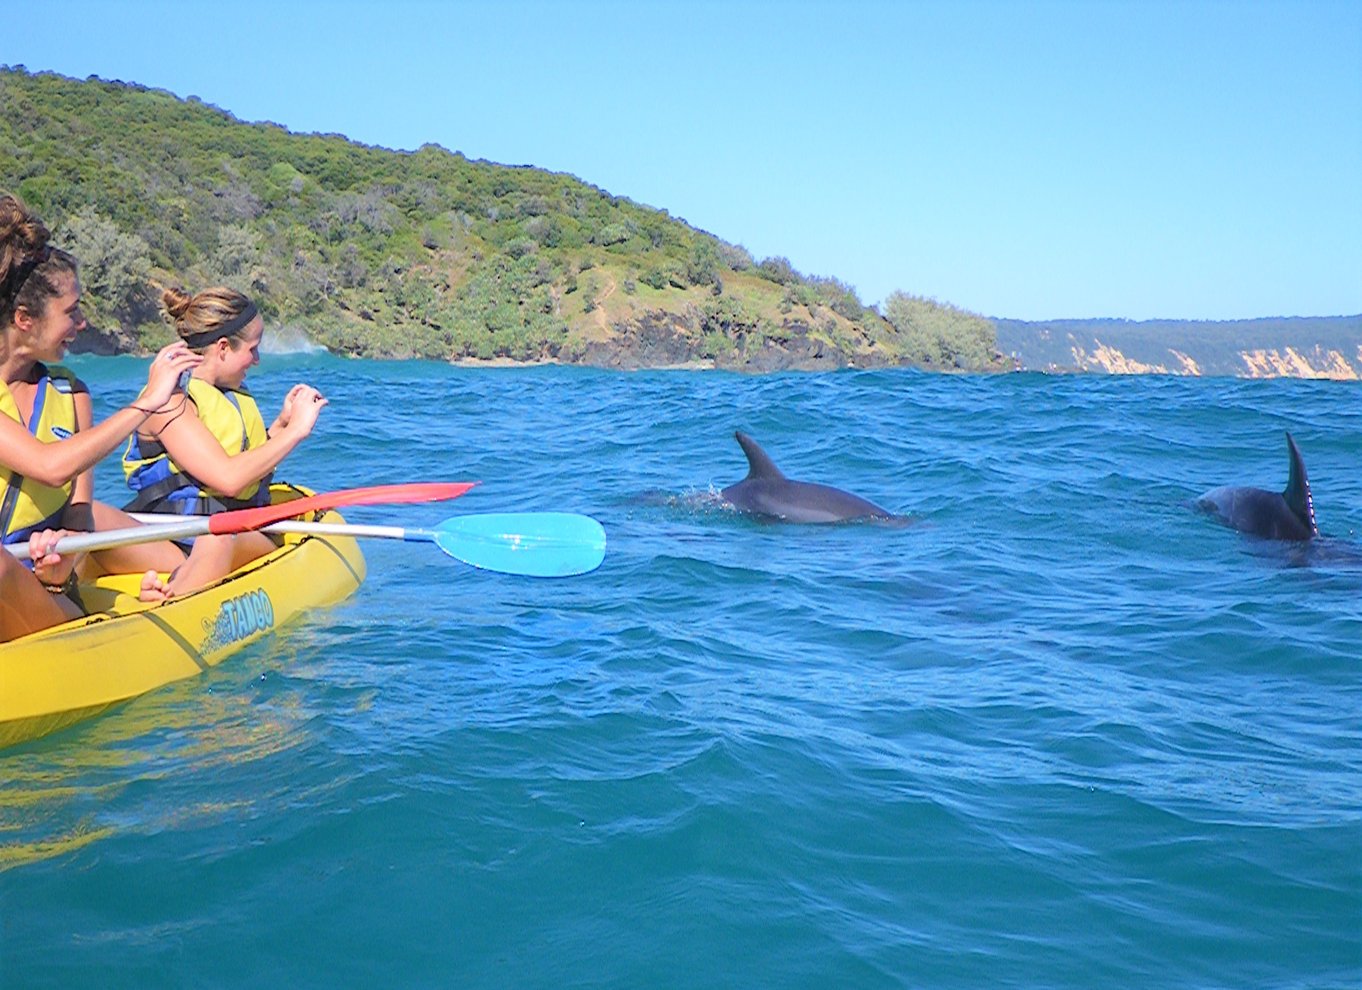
[198, 340]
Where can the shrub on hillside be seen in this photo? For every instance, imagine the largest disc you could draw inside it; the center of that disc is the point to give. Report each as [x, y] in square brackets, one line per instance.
[936, 334]
[778, 270]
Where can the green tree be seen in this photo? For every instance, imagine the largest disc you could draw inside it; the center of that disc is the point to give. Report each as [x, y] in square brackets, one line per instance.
[236, 260]
[114, 268]
[941, 335]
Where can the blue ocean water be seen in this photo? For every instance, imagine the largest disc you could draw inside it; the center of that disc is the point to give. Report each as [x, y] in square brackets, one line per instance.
[1062, 732]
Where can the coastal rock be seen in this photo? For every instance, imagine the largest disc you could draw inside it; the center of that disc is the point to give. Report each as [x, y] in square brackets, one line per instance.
[105, 341]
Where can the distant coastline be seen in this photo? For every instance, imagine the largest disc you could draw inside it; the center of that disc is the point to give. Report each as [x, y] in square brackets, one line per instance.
[1295, 347]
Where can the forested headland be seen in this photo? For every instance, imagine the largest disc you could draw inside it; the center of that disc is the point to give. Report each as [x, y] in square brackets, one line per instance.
[381, 253]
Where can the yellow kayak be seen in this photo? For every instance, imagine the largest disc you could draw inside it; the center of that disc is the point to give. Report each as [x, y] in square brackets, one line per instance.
[125, 647]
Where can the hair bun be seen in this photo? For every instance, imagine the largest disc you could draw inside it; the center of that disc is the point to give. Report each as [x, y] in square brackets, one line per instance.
[176, 302]
[22, 234]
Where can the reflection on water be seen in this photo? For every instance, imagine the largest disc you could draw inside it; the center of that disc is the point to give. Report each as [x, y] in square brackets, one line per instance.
[89, 783]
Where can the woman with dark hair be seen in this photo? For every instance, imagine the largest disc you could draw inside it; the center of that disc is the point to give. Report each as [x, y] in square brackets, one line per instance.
[48, 439]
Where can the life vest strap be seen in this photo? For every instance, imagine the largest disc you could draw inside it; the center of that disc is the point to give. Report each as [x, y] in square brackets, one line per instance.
[155, 497]
[10, 503]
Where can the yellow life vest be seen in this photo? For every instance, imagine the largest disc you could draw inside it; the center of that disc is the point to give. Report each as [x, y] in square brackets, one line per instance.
[27, 505]
[161, 485]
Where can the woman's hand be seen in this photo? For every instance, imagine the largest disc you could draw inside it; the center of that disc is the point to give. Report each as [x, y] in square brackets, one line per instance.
[49, 567]
[163, 376]
[286, 412]
[303, 405]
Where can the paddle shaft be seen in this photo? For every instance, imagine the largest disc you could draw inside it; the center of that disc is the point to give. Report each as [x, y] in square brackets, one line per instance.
[112, 538]
[245, 520]
[357, 530]
[362, 531]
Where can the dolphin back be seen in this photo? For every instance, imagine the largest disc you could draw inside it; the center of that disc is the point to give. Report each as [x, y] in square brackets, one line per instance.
[1289, 515]
[1254, 511]
[767, 492]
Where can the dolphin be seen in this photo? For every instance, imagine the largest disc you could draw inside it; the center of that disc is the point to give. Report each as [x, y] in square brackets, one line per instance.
[768, 493]
[1286, 516]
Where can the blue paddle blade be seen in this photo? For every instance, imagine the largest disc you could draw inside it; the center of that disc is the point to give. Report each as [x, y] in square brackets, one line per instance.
[539, 544]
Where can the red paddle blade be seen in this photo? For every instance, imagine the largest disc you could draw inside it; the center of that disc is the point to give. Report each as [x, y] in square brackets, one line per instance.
[243, 520]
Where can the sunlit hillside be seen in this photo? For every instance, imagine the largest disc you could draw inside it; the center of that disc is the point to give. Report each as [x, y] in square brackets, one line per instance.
[375, 252]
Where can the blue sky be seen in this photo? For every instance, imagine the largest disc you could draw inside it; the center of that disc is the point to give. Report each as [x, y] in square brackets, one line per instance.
[1198, 160]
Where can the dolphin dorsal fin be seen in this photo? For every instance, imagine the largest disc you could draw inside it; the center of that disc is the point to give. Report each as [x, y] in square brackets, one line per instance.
[759, 465]
[1297, 494]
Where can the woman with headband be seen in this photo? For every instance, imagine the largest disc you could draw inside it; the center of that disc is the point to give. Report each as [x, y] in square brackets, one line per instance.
[211, 451]
[48, 439]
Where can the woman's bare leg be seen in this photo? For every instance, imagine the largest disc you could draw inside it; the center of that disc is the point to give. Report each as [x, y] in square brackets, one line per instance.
[217, 556]
[161, 555]
[25, 605]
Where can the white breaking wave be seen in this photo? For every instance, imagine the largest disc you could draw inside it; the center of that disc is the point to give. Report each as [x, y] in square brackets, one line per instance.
[289, 340]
